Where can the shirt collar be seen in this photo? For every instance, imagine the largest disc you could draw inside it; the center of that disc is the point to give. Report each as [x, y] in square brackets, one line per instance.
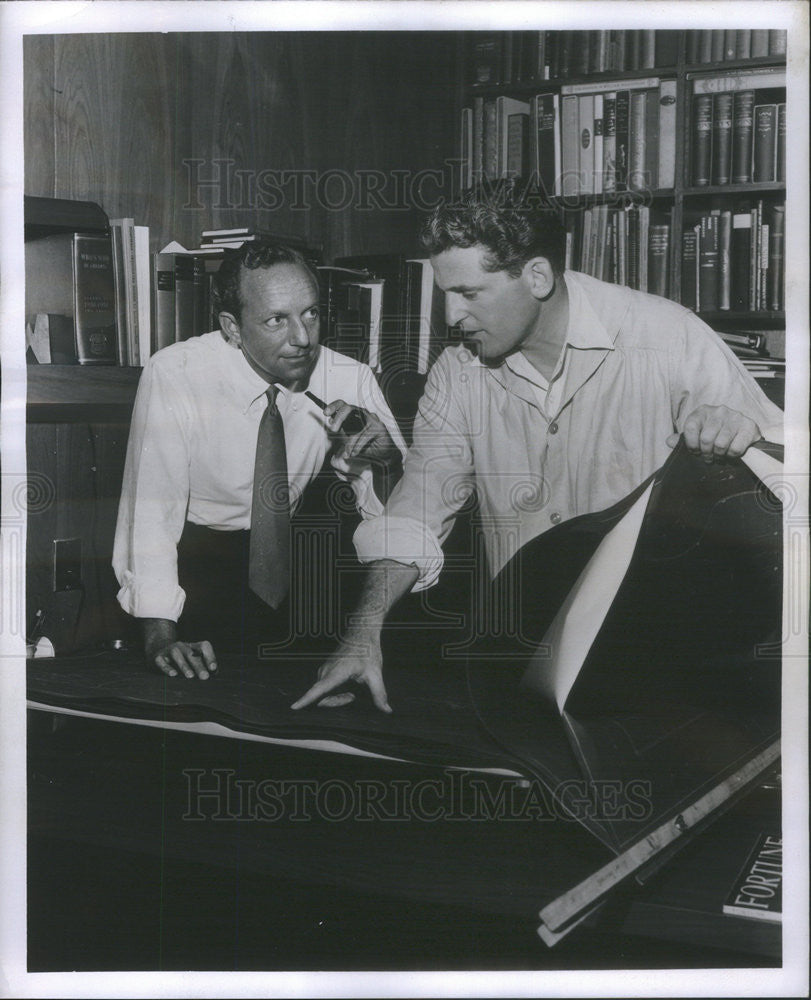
[250, 386]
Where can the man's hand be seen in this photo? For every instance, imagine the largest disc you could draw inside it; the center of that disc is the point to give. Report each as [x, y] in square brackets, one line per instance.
[373, 443]
[717, 432]
[358, 659]
[172, 656]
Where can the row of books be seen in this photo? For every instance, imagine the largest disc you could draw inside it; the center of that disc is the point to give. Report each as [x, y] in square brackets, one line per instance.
[622, 246]
[738, 128]
[384, 310]
[589, 139]
[735, 260]
[500, 57]
[719, 45]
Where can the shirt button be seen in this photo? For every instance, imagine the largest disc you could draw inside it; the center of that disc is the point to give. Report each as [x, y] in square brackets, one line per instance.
[555, 518]
[553, 428]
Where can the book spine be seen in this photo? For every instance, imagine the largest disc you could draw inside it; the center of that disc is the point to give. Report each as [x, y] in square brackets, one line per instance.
[122, 353]
[647, 49]
[143, 281]
[741, 248]
[597, 164]
[760, 43]
[644, 243]
[637, 141]
[776, 258]
[658, 255]
[708, 263]
[94, 308]
[702, 138]
[586, 144]
[569, 155]
[666, 167]
[485, 61]
[717, 36]
[164, 297]
[763, 290]
[724, 269]
[780, 155]
[517, 139]
[764, 142]
[466, 148]
[490, 149]
[777, 42]
[721, 138]
[200, 312]
[754, 256]
[478, 139]
[705, 54]
[742, 134]
[547, 141]
[609, 142]
[667, 48]
[633, 248]
[623, 139]
[689, 256]
[651, 151]
[184, 296]
[730, 44]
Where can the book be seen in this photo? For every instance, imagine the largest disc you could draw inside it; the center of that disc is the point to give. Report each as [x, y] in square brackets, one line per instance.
[143, 286]
[666, 167]
[126, 228]
[119, 280]
[757, 892]
[724, 264]
[740, 254]
[585, 136]
[775, 298]
[718, 45]
[466, 149]
[597, 166]
[517, 145]
[184, 296]
[730, 44]
[708, 264]
[507, 107]
[780, 152]
[478, 140]
[71, 275]
[545, 152]
[637, 141]
[164, 300]
[622, 149]
[754, 78]
[760, 43]
[778, 40]
[765, 142]
[658, 258]
[743, 43]
[743, 105]
[692, 47]
[485, 59]
[609, 142]
[721, 138]
[570, 184]
[689, 260]
[705, 48]
[490, 142]
[701, 135]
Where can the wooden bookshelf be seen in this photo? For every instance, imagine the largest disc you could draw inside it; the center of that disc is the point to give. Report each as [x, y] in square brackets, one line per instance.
[685, 200]
[80, 394]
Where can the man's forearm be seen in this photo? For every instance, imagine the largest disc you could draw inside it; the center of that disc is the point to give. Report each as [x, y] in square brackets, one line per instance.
[386, 582]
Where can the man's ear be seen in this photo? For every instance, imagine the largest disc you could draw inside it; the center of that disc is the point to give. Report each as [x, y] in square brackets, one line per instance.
[540, 276]
[230, 328]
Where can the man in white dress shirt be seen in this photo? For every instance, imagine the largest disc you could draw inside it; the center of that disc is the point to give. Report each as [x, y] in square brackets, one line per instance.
[185, 509]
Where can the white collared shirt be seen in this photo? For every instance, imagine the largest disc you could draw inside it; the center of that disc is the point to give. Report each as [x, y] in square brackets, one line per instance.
[632, 369]
[192, 449]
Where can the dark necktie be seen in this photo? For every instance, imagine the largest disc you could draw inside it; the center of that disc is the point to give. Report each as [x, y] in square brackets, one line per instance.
[269, 567]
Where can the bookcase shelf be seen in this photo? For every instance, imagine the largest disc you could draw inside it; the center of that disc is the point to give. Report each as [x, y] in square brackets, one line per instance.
[80, 393]
[671, 213]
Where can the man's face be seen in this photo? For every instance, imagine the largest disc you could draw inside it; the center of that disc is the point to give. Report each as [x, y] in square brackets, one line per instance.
[278, 330]
[497, 313]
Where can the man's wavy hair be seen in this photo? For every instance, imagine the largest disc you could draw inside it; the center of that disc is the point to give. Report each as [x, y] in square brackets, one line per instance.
[251, 256]
[511, 230]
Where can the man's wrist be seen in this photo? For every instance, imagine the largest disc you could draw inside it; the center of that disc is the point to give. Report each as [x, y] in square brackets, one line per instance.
[158, 632]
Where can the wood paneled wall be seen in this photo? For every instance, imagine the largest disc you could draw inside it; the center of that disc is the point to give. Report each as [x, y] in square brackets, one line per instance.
[131, 120]
[136, 121]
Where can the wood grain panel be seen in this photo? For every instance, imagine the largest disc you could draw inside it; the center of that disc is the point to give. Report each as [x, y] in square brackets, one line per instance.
[38, 120]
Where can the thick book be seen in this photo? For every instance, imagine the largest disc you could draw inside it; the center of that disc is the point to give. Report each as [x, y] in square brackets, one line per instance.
[486, 57]
[740, 255]
[507, 108]
[708, 271]
[765, 142]
[724, 261]
[743, 43]
[637, 141]
[692, 47]
[71, 275]
[778, 40]
[701, 135]
[490, 142]
[760, 43]
[775, 298]
[705, 47]
[666, 167]
[780, 152]
[743, 106]
[721, 138]
[184, 296]
[689, 259]
[164, 301]
[517, 146]
[718, 44]
[730, 44]
[597, 168]
[757, 892]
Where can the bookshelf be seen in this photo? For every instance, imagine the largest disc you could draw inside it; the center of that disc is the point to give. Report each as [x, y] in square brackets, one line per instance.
[606, 211]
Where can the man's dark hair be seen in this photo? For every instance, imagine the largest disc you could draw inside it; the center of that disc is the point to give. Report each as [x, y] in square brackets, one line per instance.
[261, 253]
[512, 231]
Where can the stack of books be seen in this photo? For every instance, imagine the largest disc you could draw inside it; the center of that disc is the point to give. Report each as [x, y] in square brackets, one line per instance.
[719, 45]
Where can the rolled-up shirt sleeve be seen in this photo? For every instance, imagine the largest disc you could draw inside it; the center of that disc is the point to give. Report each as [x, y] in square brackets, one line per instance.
[437, 479]
[154, 500]
[705, 371]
